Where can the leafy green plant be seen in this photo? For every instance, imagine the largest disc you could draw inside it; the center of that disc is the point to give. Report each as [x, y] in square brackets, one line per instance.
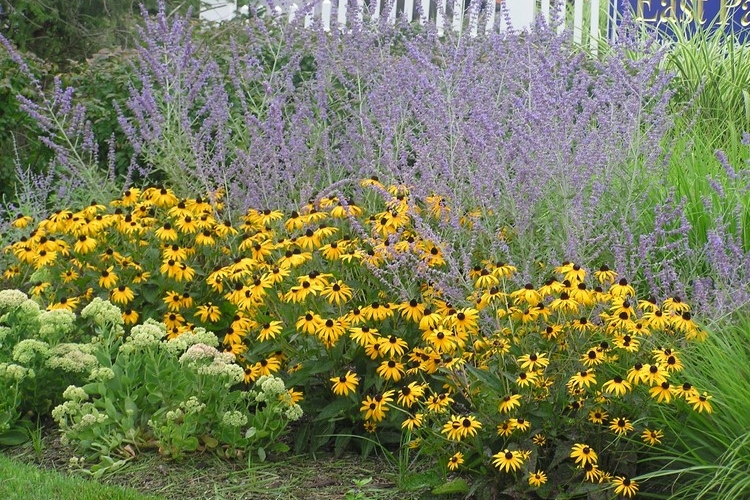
[175, 395]
[35, 362]
[706, 455]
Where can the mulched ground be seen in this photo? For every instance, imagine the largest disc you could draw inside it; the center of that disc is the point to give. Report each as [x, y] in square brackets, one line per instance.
[208, 477]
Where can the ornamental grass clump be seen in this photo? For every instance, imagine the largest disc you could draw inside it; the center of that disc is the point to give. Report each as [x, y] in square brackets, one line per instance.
[501, 382]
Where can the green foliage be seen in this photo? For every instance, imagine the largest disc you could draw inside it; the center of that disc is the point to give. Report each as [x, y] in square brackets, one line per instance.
[173, 395]
[25, 482]
[712, 81]
[63, 31]
[19, 141]
[707, 456]
[33, 361]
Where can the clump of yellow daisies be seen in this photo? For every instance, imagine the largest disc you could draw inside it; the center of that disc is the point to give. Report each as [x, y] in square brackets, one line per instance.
[285, 290]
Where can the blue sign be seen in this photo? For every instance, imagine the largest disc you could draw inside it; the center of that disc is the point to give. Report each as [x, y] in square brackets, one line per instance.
[729, 15]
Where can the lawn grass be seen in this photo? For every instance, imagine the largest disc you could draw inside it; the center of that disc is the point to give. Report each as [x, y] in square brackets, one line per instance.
[207, 477]
[27, 482]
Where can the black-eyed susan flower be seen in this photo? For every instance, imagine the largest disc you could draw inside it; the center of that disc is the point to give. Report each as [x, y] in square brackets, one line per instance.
[442, 340]
[538, 478]
[84, 244]
[452, 429]
[141, 277]
[502, 270]
[329, 331]
[582, 379]
[68, 303]
[108, 278]
[174, 252]
[172, 319]
[526, 295]
[605, 275]
[597, 416]
[533, 361]
[373, 349]
[551, 332]
[413, 421]
[685, 390]
[506, 428]
[620, 426]
[269, 365]
[208, 313]
[345, 384]
[521, 424]
[337, 293]
[22, 221]
[224, 228]
[44, 258]
[129, 316]
[582, 325]
[14, 271]
[393, 346]
[627, 342]
[700, 402]
[408, 395]
[438, 403]
[652, 437]
[69, 275]
[622, 289]
[525, 379]
[173, 300]
[617, 386]
[564, 303]
[592, 472]
[412, 310]
[205, 237]
[187, 224]
[391, 370]
[654, 375]
[539, 439]
[508, 461]
[363, 335]
[509, 402]
[469, 426]
[233, 336]
[624, 486]
[583, 454]
[161, 197]
[485, 279]
[656, 320]
[269, 330]
[636, 373]
[592, 357]
[171, 268]
[166, 232]
[376, 311]
[122, 295]
[376, 407]
[455, 461]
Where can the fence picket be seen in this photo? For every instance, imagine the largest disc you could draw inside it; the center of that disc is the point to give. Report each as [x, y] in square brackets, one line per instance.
[409, 10]
[544, 11]
[325, 14]
[563, 9]
[490, 23]
[341, 14]
[578, 21]
[521, 14]
[425, 14]
[440, 17]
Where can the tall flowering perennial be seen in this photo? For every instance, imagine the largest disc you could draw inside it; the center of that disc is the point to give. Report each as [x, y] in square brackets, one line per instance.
[302, 296]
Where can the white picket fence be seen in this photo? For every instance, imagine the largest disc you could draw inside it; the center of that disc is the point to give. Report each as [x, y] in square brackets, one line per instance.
[586, 21]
